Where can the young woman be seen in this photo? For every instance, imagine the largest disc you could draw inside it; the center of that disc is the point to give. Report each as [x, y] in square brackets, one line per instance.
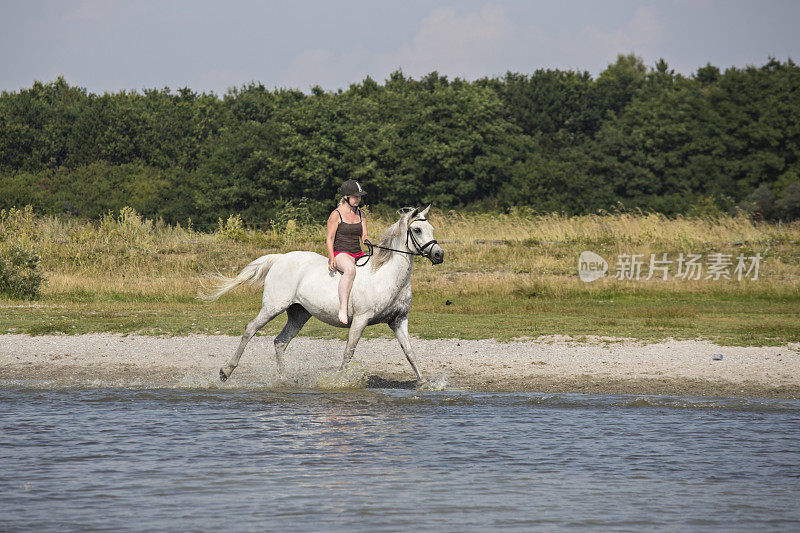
[346, 226]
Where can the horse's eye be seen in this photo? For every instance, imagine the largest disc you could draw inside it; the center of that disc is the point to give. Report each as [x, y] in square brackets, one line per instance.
[417, 230]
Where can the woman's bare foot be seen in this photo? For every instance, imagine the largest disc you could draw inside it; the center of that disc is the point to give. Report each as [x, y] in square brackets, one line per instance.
[343, 317]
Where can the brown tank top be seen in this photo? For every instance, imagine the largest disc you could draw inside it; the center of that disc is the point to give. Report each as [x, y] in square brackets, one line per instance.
[347, 235]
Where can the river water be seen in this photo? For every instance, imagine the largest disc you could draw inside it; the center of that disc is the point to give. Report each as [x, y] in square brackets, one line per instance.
[254, 459]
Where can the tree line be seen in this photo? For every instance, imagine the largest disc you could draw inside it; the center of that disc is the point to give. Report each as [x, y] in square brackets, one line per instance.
[632, 137]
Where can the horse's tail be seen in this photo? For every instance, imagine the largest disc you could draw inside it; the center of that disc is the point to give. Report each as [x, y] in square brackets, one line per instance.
[253, 274]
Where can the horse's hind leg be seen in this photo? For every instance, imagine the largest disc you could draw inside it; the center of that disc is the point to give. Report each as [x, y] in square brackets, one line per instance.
[264, 316]
[297, 317]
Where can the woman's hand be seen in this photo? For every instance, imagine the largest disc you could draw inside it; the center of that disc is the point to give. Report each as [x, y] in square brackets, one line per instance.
[332, 264]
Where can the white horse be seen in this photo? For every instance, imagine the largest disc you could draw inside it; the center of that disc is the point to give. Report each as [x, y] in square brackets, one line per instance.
[301, 284]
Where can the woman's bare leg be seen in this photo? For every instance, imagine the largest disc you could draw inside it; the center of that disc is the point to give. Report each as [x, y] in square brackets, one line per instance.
[347, 266]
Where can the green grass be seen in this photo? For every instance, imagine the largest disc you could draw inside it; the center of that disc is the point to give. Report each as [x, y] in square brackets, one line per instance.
[724, 318]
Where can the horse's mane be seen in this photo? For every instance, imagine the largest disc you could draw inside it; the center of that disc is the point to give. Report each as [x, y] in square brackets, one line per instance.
[382, 256]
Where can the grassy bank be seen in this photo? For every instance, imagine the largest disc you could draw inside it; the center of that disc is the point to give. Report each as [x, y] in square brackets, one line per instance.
[505, 276]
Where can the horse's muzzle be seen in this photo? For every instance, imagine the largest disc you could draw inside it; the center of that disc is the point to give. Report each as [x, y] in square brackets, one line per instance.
[437, 255]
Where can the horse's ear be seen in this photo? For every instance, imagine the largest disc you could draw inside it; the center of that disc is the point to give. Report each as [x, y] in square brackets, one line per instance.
[407, 218]
[424, 213]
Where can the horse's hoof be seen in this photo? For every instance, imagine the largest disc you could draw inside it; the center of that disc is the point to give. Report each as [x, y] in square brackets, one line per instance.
[223, 377]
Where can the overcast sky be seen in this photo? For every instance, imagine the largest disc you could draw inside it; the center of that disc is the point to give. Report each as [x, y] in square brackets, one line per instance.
[211, 45]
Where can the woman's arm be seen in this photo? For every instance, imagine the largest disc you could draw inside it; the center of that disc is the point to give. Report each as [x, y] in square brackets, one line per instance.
[333, 223]
[364, 232]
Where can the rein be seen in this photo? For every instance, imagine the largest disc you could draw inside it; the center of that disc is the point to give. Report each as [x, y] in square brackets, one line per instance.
[409, 234]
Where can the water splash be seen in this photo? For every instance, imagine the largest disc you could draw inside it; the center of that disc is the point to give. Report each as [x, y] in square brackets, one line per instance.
[436, 384]
[352, 376]
[198, 378]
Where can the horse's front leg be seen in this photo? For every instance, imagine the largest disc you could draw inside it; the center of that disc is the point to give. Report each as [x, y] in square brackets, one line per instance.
[400, 327]
[356, 329]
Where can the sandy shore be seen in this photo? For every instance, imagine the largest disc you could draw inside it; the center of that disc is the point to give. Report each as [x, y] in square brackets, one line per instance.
[553, 364]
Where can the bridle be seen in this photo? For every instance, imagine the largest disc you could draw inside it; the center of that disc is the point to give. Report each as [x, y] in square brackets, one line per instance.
[409, 236]
[420, 247]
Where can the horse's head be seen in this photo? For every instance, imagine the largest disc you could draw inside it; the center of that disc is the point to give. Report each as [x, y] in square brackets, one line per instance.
[419, 235]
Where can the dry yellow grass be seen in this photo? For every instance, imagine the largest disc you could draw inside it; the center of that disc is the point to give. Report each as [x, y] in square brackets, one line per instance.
[485, 252]
[505, 276]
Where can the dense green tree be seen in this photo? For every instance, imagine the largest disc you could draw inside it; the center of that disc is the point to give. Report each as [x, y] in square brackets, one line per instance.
[788, 205]
[553, 141]
[619, 84]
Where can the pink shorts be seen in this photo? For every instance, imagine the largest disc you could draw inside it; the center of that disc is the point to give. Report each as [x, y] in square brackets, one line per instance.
[354, 256]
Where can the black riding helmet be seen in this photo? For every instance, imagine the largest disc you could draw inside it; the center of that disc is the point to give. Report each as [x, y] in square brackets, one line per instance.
[351, 188]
